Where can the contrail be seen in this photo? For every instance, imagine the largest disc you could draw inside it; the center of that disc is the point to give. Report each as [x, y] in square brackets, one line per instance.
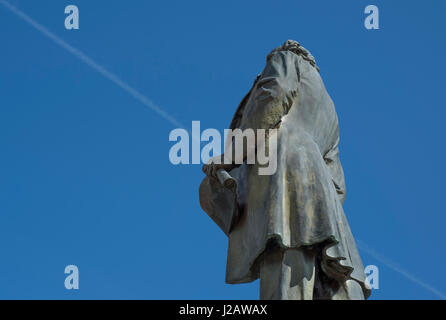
[398, 269]
[148, 103]
[90, 62]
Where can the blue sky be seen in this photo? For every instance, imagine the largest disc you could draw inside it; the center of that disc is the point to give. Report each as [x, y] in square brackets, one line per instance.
[85, 176]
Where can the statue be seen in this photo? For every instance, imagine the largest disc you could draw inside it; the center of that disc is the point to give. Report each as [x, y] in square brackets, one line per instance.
[288, 228]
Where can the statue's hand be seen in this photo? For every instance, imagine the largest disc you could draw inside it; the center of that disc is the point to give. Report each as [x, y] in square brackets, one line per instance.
[216, 163]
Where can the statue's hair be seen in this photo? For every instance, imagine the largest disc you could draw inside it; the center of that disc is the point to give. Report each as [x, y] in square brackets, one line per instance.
[294, 46]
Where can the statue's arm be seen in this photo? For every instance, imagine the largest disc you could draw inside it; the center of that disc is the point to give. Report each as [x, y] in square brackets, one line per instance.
[274, 93]
[272, 96]
[270, 99]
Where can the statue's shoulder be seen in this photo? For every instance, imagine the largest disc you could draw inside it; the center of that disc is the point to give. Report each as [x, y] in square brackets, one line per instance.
[236, 119]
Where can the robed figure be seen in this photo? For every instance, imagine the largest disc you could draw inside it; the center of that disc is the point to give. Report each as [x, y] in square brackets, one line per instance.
[288, 228]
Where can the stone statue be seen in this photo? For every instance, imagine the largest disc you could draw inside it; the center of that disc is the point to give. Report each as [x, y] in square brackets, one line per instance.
[289, 228]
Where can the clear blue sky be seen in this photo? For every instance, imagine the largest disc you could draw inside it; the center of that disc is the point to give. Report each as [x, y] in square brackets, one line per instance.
[85, 176]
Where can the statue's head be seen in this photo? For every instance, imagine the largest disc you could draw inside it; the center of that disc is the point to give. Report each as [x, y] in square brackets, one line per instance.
[294, 46]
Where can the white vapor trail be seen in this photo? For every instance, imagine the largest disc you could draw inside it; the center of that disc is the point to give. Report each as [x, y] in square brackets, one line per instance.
[398, 269]
[90, 62]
